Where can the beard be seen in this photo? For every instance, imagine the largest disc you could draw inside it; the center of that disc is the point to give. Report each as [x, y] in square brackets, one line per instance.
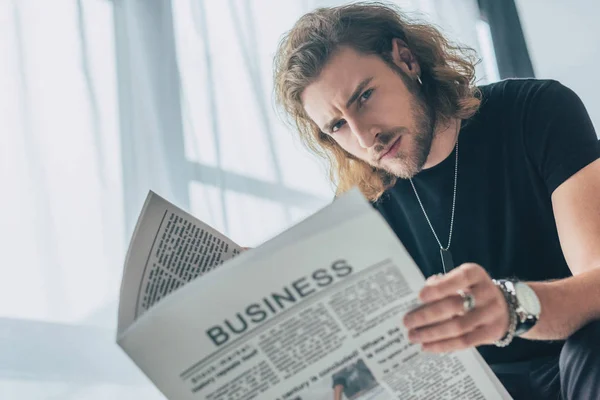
[408, 162]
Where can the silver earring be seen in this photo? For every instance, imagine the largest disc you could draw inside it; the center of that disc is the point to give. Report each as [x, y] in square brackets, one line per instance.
[419, 80]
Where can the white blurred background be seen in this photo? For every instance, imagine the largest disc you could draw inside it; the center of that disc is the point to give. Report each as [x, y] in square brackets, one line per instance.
[101, 101]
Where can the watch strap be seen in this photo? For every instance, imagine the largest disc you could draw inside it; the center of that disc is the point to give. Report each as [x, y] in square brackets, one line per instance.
[511, 304]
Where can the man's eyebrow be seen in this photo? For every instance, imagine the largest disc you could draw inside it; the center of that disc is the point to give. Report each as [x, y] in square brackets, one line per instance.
[361, 86]
[353, 97]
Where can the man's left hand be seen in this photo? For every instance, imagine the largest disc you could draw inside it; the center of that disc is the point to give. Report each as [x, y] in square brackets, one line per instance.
[441, 324]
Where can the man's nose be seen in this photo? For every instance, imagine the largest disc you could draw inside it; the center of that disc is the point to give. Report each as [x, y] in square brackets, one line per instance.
[366, 134]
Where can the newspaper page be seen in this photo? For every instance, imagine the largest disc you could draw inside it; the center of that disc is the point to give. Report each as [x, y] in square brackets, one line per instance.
[169, 248]
[316, 316]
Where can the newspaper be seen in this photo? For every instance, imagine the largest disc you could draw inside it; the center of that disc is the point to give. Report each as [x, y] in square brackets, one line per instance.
[314, 313]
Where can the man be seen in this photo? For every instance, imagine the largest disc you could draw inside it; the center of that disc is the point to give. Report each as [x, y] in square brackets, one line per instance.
[481, 185]
[356, 382]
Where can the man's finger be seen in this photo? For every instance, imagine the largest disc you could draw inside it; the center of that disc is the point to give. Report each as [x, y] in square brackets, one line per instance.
[460, 278]
[476, 337]
[452, 328]
[446, 308]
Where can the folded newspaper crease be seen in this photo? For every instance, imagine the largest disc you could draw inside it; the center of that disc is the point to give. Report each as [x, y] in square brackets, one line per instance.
[315, 310]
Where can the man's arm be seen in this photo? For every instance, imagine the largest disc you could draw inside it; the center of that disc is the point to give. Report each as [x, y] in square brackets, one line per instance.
[560, 141]
[568, 304]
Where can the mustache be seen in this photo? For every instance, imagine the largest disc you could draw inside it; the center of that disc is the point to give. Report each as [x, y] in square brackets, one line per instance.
[385, 138]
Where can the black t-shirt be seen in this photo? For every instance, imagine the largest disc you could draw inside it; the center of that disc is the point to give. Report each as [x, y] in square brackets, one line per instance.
[527, 138]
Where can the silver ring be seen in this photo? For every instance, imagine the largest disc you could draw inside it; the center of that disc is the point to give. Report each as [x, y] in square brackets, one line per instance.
[468, 300]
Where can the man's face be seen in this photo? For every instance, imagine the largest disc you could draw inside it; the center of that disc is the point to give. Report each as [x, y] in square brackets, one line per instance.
[368, 109]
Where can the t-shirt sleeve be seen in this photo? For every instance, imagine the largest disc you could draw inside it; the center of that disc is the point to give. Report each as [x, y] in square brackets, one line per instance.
[559, 135]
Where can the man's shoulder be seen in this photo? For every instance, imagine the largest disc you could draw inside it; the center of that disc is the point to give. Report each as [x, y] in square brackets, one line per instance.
[522, 101]
[509, 89]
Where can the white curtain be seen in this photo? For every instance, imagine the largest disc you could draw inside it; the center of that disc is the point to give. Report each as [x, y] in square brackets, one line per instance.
[102, 101]
[62, 234]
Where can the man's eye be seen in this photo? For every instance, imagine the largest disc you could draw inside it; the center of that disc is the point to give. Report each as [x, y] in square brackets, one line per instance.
[338, 125]
[365, 96]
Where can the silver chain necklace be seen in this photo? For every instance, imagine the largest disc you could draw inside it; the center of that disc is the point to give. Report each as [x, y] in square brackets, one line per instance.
[445, 254]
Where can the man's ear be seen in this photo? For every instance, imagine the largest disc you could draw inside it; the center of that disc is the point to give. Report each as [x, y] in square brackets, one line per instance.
[405, 59]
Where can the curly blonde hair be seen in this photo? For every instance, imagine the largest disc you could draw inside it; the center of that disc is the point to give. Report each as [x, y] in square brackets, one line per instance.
[447, 73]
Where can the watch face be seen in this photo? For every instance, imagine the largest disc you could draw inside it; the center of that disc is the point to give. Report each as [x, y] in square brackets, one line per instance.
[528, 299]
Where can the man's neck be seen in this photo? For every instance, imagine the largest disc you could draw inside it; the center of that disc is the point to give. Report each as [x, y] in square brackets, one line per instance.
[443, 143]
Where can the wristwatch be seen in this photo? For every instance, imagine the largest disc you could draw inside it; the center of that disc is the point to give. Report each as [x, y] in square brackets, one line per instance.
[524, 303]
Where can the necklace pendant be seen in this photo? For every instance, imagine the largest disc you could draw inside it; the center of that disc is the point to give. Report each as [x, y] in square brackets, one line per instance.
[447, 262]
